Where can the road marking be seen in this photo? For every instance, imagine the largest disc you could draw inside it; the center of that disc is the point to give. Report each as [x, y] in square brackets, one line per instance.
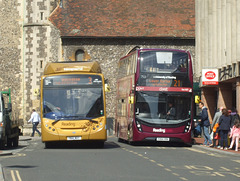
[175, 174]
[13, 173]
[182, 178]
[195, 150]
[236, 175]
[18, 175]
[152, 161]
[203, 152]
[238, 161]
[166, 148]
[225, 169]
[198, 167]
[158, 164]
[167, 169]
[13, 176]
[219, 174]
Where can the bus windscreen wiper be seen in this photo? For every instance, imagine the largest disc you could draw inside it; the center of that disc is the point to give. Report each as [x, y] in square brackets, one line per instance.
[93, 121]
[54, 122]
[81, 118]
[76, 117]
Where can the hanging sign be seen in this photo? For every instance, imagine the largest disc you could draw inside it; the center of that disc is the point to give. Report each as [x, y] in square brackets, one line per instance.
[210, 76]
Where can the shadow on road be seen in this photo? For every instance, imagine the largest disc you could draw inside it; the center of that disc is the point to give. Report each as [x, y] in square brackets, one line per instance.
[157, 144]
[21, 166]
[82, 145]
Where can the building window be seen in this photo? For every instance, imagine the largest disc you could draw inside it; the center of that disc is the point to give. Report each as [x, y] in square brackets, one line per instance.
[79, 55]
[234, 70]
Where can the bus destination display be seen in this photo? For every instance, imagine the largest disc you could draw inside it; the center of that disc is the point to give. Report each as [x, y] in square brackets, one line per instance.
[163, 83]
[73, 80]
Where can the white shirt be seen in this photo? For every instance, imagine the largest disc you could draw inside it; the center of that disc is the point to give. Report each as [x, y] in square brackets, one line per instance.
[35, 118]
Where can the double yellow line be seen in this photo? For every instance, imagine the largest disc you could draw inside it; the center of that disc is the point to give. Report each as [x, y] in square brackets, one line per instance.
[15, 175]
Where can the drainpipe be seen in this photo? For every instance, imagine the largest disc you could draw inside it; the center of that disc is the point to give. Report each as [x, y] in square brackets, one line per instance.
[23, 59]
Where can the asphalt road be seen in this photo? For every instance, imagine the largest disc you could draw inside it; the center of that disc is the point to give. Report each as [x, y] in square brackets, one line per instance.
[118, 162]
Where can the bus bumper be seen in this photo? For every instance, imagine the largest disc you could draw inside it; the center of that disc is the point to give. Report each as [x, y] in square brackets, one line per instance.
[183, 137]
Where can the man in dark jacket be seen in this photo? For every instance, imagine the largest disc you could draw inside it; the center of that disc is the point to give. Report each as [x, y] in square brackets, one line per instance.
[205, 125]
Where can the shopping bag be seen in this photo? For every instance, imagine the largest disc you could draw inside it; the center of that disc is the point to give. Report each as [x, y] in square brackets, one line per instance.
[215, 127]
[217, 137]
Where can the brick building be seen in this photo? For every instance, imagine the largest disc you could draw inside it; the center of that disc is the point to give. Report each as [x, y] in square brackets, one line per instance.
[42, 31]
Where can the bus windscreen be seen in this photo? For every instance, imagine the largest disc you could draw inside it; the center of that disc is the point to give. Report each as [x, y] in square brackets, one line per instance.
[72, 101]
[164, 62]
[161, 108]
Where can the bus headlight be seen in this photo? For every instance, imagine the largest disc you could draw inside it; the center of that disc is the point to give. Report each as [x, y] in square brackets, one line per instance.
[139, 127]
[187, 127]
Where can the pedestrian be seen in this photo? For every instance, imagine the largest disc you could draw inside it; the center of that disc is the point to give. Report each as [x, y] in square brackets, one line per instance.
[235, 134]
[216, 121]
[224, 128]
[205, 123]
[234, 116]
[35, 120]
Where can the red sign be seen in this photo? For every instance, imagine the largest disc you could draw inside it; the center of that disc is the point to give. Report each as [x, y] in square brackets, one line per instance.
[210, 75]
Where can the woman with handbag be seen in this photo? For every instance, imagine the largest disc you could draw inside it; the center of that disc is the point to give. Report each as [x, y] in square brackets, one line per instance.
[215, 125]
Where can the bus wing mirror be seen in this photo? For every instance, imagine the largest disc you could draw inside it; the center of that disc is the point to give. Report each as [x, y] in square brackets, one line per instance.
[197, 99]
[137, 111]
[107, 88]
[131, 99]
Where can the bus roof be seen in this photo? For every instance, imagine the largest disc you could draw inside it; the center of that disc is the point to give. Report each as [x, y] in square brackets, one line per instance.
[68, 67]
[137, 49]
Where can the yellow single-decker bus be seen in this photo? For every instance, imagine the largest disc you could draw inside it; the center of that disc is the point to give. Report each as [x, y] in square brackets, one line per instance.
[73, 106]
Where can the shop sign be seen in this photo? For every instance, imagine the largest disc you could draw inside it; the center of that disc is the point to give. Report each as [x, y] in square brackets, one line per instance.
[210, 76]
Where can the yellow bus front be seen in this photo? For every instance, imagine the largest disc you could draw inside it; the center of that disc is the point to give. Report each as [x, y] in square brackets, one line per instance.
[73, 107]
[74, 130]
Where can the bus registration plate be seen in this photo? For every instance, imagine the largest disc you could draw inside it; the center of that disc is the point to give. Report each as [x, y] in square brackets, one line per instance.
[74, 138]
[163, 139]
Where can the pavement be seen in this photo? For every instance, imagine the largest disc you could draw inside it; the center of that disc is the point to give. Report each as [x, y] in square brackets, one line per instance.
[199, 141]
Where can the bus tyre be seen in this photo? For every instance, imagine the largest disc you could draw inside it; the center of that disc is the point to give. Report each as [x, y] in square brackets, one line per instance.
[48, 145]
[100, 144]
[9, 142]
[2, 145]
[15, 141]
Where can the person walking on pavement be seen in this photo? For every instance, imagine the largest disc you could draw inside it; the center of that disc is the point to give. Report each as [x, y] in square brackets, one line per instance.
[205, 123]
[224, 128]
[35, 120]
[216, 118]
[235, 134]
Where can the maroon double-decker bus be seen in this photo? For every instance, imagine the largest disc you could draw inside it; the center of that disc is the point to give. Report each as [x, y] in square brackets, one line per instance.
[154, 96]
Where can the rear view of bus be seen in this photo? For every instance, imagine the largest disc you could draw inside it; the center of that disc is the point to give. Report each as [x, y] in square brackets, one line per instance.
[155, 96]
[73, 103]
